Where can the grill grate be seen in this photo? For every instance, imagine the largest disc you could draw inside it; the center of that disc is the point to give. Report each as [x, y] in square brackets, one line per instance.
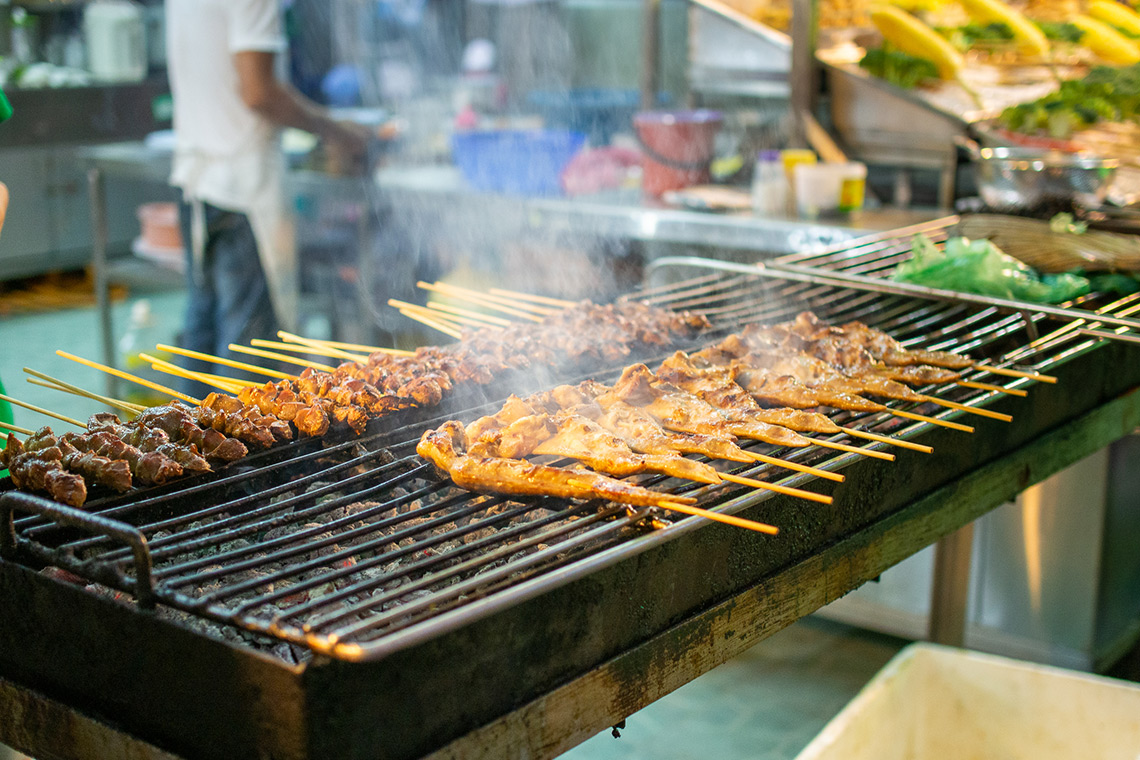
[355, 548]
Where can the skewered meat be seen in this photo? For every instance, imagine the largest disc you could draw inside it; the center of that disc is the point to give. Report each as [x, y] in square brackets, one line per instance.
[877, 343]
[718, 387]
[112, 473]
[278, 429]
[148, 440]
[149, 468]
[684, 412]
[177, 421]
[43, 471]
[446, 448]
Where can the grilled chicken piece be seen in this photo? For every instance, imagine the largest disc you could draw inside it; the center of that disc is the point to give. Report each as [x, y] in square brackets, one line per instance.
[878, 344]
[221, 402]
[679, 410]
[42, 471]
[718, 387]
[446, 447]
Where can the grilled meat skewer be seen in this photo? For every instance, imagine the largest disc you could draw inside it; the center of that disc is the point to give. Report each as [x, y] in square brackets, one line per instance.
[877, 343]
[42, 471]
[446, 447]
[112, 473]
[148, 441]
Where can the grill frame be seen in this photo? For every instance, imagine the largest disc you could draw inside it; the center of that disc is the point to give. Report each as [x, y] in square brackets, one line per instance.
[641, 604]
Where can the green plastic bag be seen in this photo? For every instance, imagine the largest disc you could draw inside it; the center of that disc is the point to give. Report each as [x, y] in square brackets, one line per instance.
[979, 266]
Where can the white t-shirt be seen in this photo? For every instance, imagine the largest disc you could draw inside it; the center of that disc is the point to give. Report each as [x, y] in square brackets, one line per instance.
[225, 154]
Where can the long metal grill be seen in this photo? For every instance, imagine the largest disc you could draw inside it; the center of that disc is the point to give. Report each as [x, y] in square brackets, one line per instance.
[357, 549]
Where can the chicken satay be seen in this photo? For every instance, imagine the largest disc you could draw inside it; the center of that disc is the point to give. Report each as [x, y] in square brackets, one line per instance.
[877, 343]
[446, 448]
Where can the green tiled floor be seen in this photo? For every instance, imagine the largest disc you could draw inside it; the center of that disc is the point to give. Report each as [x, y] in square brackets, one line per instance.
[766, 704]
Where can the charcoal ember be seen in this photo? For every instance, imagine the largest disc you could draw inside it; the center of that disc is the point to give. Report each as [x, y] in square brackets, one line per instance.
[65, 576]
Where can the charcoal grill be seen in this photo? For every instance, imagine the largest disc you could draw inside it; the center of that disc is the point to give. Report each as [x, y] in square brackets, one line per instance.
[337, 600]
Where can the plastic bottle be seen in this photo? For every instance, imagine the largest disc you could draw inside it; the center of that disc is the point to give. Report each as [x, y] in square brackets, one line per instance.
[769, 185]
[142, 334]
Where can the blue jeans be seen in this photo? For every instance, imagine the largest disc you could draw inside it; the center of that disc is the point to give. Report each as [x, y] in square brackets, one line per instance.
[228, 299]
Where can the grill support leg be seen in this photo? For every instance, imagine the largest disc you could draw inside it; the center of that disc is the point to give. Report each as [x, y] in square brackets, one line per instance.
[951, 587]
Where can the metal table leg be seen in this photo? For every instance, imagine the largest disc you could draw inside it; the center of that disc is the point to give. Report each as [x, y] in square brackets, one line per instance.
[951, 587]
[96, 187]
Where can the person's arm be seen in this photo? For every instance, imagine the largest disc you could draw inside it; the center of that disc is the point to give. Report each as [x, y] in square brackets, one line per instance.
[281, 104]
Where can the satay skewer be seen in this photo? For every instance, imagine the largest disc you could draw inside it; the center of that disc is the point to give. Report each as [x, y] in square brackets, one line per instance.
[545, 300]
[490, 302]
[967, 408]
[312, 347]
[453, 321]
[360, 347]
[15, 428]
[120, 405]
[737, 522]
[435, 324]
[493, 301]
[873, 454]
[1015, 373]
[902, 444]
[292, 338]
[479, 318]
[41, 410]
[796, 467]
[994, 388]
[279, 357]
[229, 385]
[128, 376]
[930, 420]
[246, 366]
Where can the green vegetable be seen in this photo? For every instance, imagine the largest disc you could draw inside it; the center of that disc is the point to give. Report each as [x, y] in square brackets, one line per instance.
[1061, 31]
[979, 266]
[898, 68]
[965, 37]
[1114, 282]
[1106, 94]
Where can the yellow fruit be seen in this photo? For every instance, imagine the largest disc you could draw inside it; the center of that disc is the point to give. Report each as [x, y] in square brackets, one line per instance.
[1029, 37]
[910, 35]
[1106, 42]
[1120, 16]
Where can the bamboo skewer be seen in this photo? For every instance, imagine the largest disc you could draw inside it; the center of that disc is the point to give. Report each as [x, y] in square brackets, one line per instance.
[15, 428]
[971, 409]
[279, 357]
[931, 420]
[311, 347]
[777, 488]
[433, 323]
[737, 522]
[442, 317]
[853, 449]
[902, 444]
[486, 318]
[477, 298]
[547, 300]
[361, 347]
[41, 410]
[1015, 373]
[492, 301]
[227, 384]
[994, 388]
[124, 406]
[128, 376]
[291, 338]
[58, 385]
[246, 366]
[797, 467]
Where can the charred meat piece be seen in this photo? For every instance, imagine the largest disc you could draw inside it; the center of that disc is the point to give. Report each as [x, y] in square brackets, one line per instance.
[43, 471]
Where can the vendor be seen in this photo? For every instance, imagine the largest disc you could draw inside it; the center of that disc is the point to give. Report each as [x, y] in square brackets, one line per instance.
[228, 106]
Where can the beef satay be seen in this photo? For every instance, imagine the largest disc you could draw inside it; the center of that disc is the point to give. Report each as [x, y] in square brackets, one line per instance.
[111, 473]
[147, 468]
[178, 422]
[43, 471]
[149, 440]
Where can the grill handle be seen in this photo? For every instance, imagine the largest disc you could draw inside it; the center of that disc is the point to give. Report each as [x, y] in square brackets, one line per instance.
[76, 518]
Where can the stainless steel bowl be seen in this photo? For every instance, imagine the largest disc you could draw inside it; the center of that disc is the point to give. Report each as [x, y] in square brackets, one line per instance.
[1015, 177]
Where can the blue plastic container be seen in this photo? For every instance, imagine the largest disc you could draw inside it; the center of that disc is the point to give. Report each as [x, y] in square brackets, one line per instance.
[516, 162]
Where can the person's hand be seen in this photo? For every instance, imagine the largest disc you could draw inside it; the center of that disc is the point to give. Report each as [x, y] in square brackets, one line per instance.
[348, 144]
